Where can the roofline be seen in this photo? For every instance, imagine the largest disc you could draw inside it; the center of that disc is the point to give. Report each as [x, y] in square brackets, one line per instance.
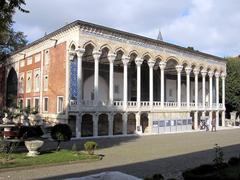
[80, 22]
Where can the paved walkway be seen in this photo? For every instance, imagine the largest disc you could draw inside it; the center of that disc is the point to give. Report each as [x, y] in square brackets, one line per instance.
[168, 154]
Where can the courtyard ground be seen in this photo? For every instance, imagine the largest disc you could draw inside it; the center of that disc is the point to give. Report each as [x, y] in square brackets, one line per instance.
[141, 156]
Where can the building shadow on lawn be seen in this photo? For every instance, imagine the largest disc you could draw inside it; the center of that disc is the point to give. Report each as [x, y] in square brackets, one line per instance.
[169, 167]
[103, 142]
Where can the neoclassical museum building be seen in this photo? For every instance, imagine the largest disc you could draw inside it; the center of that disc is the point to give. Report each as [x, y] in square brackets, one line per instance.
[105, 82]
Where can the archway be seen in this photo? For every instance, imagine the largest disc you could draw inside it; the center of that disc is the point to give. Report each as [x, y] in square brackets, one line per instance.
[171, 81]
[87, 125]
[12, 84]
[117, 124]
[103, 125]
[144, 122]
[131, 123]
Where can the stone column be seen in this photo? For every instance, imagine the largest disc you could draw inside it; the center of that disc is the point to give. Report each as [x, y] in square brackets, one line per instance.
[179, 69]
[217, 74]
[223, 75]
[79, 77]
[195, 125]
[96, 56]
[196, 72]
[138, 123]
[151, 64]
[125, 61]
[188, 71]
[95, 124]
[204, 73]
[125, 118]
[110, 124]
[111, 58]
[210, 74]
[162, 66]
[138, 62]
[78, 125]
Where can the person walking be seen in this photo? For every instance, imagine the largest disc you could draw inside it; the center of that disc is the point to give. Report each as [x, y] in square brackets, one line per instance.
[214, 125]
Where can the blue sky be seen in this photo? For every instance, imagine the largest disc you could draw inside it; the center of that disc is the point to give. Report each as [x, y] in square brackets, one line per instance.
[211, 26]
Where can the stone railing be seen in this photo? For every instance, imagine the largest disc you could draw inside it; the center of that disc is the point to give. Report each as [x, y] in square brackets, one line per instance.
[134, 105]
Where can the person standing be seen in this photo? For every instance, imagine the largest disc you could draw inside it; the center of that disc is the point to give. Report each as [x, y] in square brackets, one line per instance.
[214, 125]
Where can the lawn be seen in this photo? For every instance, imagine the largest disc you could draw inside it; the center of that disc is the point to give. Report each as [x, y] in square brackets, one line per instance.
[53, 157]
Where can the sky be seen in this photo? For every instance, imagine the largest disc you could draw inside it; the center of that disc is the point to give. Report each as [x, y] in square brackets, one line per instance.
[210, 26]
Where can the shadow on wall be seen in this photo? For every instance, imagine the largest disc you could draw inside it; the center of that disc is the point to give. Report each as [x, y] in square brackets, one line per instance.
[169, 167]
[103, 127]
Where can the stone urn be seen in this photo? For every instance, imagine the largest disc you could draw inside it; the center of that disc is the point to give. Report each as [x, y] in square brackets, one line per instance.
[33, 146]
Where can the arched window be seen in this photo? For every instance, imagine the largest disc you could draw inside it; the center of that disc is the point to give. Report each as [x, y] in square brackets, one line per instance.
[29, 82]
[37, 80]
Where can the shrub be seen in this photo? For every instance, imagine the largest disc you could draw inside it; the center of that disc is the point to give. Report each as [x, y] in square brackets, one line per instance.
[90, 146]
[74, 147]
[26, 132]
[218, 160]
[233, 161]
[61, 132]
[155, 177]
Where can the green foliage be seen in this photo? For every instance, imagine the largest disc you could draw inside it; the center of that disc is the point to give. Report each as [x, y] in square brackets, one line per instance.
[9, 39]
[218, 160]
[90, 146]
[233, 84]
[61, 132]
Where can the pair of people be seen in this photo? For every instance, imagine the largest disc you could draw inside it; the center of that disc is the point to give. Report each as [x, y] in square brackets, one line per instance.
[213, 124]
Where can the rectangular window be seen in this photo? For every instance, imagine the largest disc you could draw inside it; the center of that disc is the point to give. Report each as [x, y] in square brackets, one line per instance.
[45, 104]
[46, 57]
[45, 83]
[28, 102]
[20, 103]
[37, 57]
[21, 83]
[60, 104]
[36, 80]
[29, 82]
[22, 63]
[29, 60]
[36, 103]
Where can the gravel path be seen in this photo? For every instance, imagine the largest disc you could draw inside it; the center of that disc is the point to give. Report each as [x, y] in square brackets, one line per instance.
[143, 156]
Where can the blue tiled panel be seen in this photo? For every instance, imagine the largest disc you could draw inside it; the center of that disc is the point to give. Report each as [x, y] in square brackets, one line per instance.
[73, 79]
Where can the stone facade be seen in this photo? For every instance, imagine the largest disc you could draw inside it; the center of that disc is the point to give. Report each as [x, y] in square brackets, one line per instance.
[106, 82]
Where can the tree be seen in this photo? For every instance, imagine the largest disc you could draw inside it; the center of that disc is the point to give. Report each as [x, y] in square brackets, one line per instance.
[9, 39]
[7, 10]
[233, 84]
[61, 132]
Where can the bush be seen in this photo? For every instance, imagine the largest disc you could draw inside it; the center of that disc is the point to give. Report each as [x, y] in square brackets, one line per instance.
[90, 146]
[61, 132]
[155, 177]
[26, 132]
[233, 161]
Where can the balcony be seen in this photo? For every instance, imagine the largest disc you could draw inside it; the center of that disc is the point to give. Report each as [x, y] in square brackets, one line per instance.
[144, 106]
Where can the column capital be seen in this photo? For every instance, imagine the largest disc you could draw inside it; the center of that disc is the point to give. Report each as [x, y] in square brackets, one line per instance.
[203, 72]
[96, 55]
[223, 75]
[188, 70]
[151, 63]
[111, 57]
[196, 71]
[210, 74]
[71, 55]
[80, 52]
[217, 74]
[162, 65]
[179, 68]
[125, 60]
[138, 61]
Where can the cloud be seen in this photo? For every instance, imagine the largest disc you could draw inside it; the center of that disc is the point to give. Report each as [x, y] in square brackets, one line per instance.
[210, 26]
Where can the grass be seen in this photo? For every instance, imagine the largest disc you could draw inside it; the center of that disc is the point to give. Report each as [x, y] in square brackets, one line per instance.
[54, 157]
